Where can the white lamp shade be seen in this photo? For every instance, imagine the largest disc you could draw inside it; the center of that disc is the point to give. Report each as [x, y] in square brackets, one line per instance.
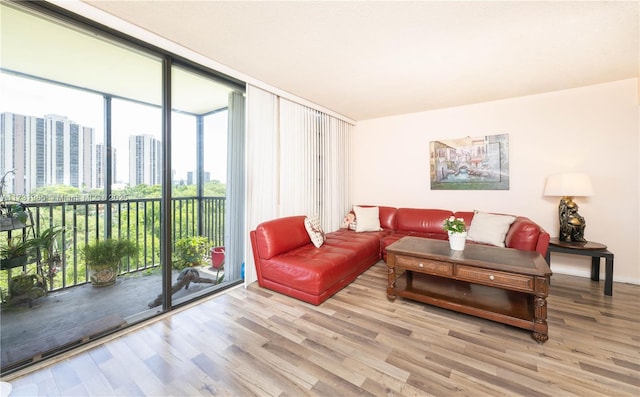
[572, 184]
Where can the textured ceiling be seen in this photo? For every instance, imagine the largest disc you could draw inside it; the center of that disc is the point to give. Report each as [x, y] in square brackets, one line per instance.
[369, 59]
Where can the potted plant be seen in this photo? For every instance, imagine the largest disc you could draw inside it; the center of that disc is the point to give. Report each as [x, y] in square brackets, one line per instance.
[190, 251]
[103, 259]
[13, 216]
[27, 287]
[16, 252]
[217, 257]
[457, 231]
[46, 242]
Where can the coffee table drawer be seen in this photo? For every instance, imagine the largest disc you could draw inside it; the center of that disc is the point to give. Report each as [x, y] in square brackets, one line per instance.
[424, 265]
[495, 278]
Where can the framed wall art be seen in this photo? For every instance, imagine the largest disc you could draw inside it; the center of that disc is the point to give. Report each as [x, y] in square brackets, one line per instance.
[471, 163]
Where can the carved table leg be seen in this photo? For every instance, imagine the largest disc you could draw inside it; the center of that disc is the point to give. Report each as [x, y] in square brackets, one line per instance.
[540, 327]
[391, 277]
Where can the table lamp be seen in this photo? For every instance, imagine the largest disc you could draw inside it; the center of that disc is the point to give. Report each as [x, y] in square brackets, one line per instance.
[568, 186]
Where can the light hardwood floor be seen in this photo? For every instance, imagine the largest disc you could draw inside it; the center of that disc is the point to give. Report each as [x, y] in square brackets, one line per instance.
[256, 342]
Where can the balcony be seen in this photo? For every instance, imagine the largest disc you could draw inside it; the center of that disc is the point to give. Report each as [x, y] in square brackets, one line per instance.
[73, 311]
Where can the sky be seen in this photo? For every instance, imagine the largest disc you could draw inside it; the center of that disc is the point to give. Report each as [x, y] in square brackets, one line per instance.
[32, 98]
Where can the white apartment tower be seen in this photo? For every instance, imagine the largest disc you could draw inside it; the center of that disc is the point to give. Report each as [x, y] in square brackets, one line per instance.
[145, 160]
[70, 152]
[46, 151]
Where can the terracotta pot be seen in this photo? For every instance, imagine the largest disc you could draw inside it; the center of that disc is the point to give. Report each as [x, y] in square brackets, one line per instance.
[217, 257]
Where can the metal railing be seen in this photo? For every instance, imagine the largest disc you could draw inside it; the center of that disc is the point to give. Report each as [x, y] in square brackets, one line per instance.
[138, 220]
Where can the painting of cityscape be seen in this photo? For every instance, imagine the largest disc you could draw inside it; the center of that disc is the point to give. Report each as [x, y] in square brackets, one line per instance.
[471, 163]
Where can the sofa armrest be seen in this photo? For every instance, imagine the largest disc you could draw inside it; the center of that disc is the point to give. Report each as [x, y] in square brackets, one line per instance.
[280, 235]
[526, 235]
[543, 242]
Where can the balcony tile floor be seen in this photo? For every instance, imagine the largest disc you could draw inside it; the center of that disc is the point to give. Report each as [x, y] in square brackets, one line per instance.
[62, 318]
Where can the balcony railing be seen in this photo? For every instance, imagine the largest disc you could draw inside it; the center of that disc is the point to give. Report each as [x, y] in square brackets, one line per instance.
[138, 220]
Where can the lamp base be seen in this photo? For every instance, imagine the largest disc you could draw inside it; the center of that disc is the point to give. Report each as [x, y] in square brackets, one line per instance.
[572, 224]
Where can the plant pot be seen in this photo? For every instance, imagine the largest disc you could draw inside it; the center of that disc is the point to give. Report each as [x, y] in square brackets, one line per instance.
[10, 223]
[103, 275]
[217, 257]
[22, 284]
[10, 263]
[457, 241]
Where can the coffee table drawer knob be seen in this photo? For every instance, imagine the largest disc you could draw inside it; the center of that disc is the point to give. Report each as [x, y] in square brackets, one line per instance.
[420, 265]
[491, 277]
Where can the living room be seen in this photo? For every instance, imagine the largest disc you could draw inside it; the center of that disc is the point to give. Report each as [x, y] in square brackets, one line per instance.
[592, 128]
[567, 98]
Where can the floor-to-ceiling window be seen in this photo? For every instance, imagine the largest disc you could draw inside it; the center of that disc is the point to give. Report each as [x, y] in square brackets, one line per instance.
[199, 132]
[85, 145]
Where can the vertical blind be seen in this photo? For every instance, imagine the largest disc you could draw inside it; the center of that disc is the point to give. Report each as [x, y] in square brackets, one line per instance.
[234, 230]
[335, 172]
[298, 164]
[299, 160]
[263, 154]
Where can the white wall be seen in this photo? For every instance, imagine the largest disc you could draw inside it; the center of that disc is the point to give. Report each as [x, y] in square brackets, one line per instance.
[593, 129]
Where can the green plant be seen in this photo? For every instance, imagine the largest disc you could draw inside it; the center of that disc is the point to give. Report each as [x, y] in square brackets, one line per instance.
[30, 286]
[13, 216]
[108, 251]
[18, 212]
[190, 251]
[16, 252]
[454, 225]
[46, 243]
[46, 240]
[103, 259]
[17, 247]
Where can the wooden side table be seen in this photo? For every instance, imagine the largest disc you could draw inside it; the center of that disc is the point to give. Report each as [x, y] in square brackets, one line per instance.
[592, 249]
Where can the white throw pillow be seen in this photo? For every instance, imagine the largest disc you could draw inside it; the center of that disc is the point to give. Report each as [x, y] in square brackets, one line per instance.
[489, 228]
[367, 219]
[316, 234]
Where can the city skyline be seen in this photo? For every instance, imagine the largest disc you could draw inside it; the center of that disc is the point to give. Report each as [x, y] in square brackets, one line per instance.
[35, 98]
[57, 151]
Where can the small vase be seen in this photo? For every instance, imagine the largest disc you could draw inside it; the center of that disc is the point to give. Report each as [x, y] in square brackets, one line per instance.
[457, 241]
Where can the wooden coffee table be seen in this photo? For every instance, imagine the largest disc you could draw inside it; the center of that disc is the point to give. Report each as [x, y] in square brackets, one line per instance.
[500, 284]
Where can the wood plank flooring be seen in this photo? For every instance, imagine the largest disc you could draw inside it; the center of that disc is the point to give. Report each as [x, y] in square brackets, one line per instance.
[253, 341]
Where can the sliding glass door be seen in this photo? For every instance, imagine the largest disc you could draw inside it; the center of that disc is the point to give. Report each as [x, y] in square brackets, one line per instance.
[92, 152]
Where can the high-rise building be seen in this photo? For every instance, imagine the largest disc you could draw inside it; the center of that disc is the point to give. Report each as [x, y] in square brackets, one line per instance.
[145, 160]
[44, 151]
[191, 179]
[70, 151]
[100, 165]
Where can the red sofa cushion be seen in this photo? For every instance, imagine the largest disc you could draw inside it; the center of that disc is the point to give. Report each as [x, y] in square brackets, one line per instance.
[309, 269]
[466, 215]
[367, 243]
[388, 217]
[421, 220]
[314, 270]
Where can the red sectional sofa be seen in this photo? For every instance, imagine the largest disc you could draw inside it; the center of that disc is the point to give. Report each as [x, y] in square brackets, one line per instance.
[287, 262]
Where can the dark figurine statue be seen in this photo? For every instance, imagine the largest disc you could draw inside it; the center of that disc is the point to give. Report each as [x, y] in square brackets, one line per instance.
[572, 224]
